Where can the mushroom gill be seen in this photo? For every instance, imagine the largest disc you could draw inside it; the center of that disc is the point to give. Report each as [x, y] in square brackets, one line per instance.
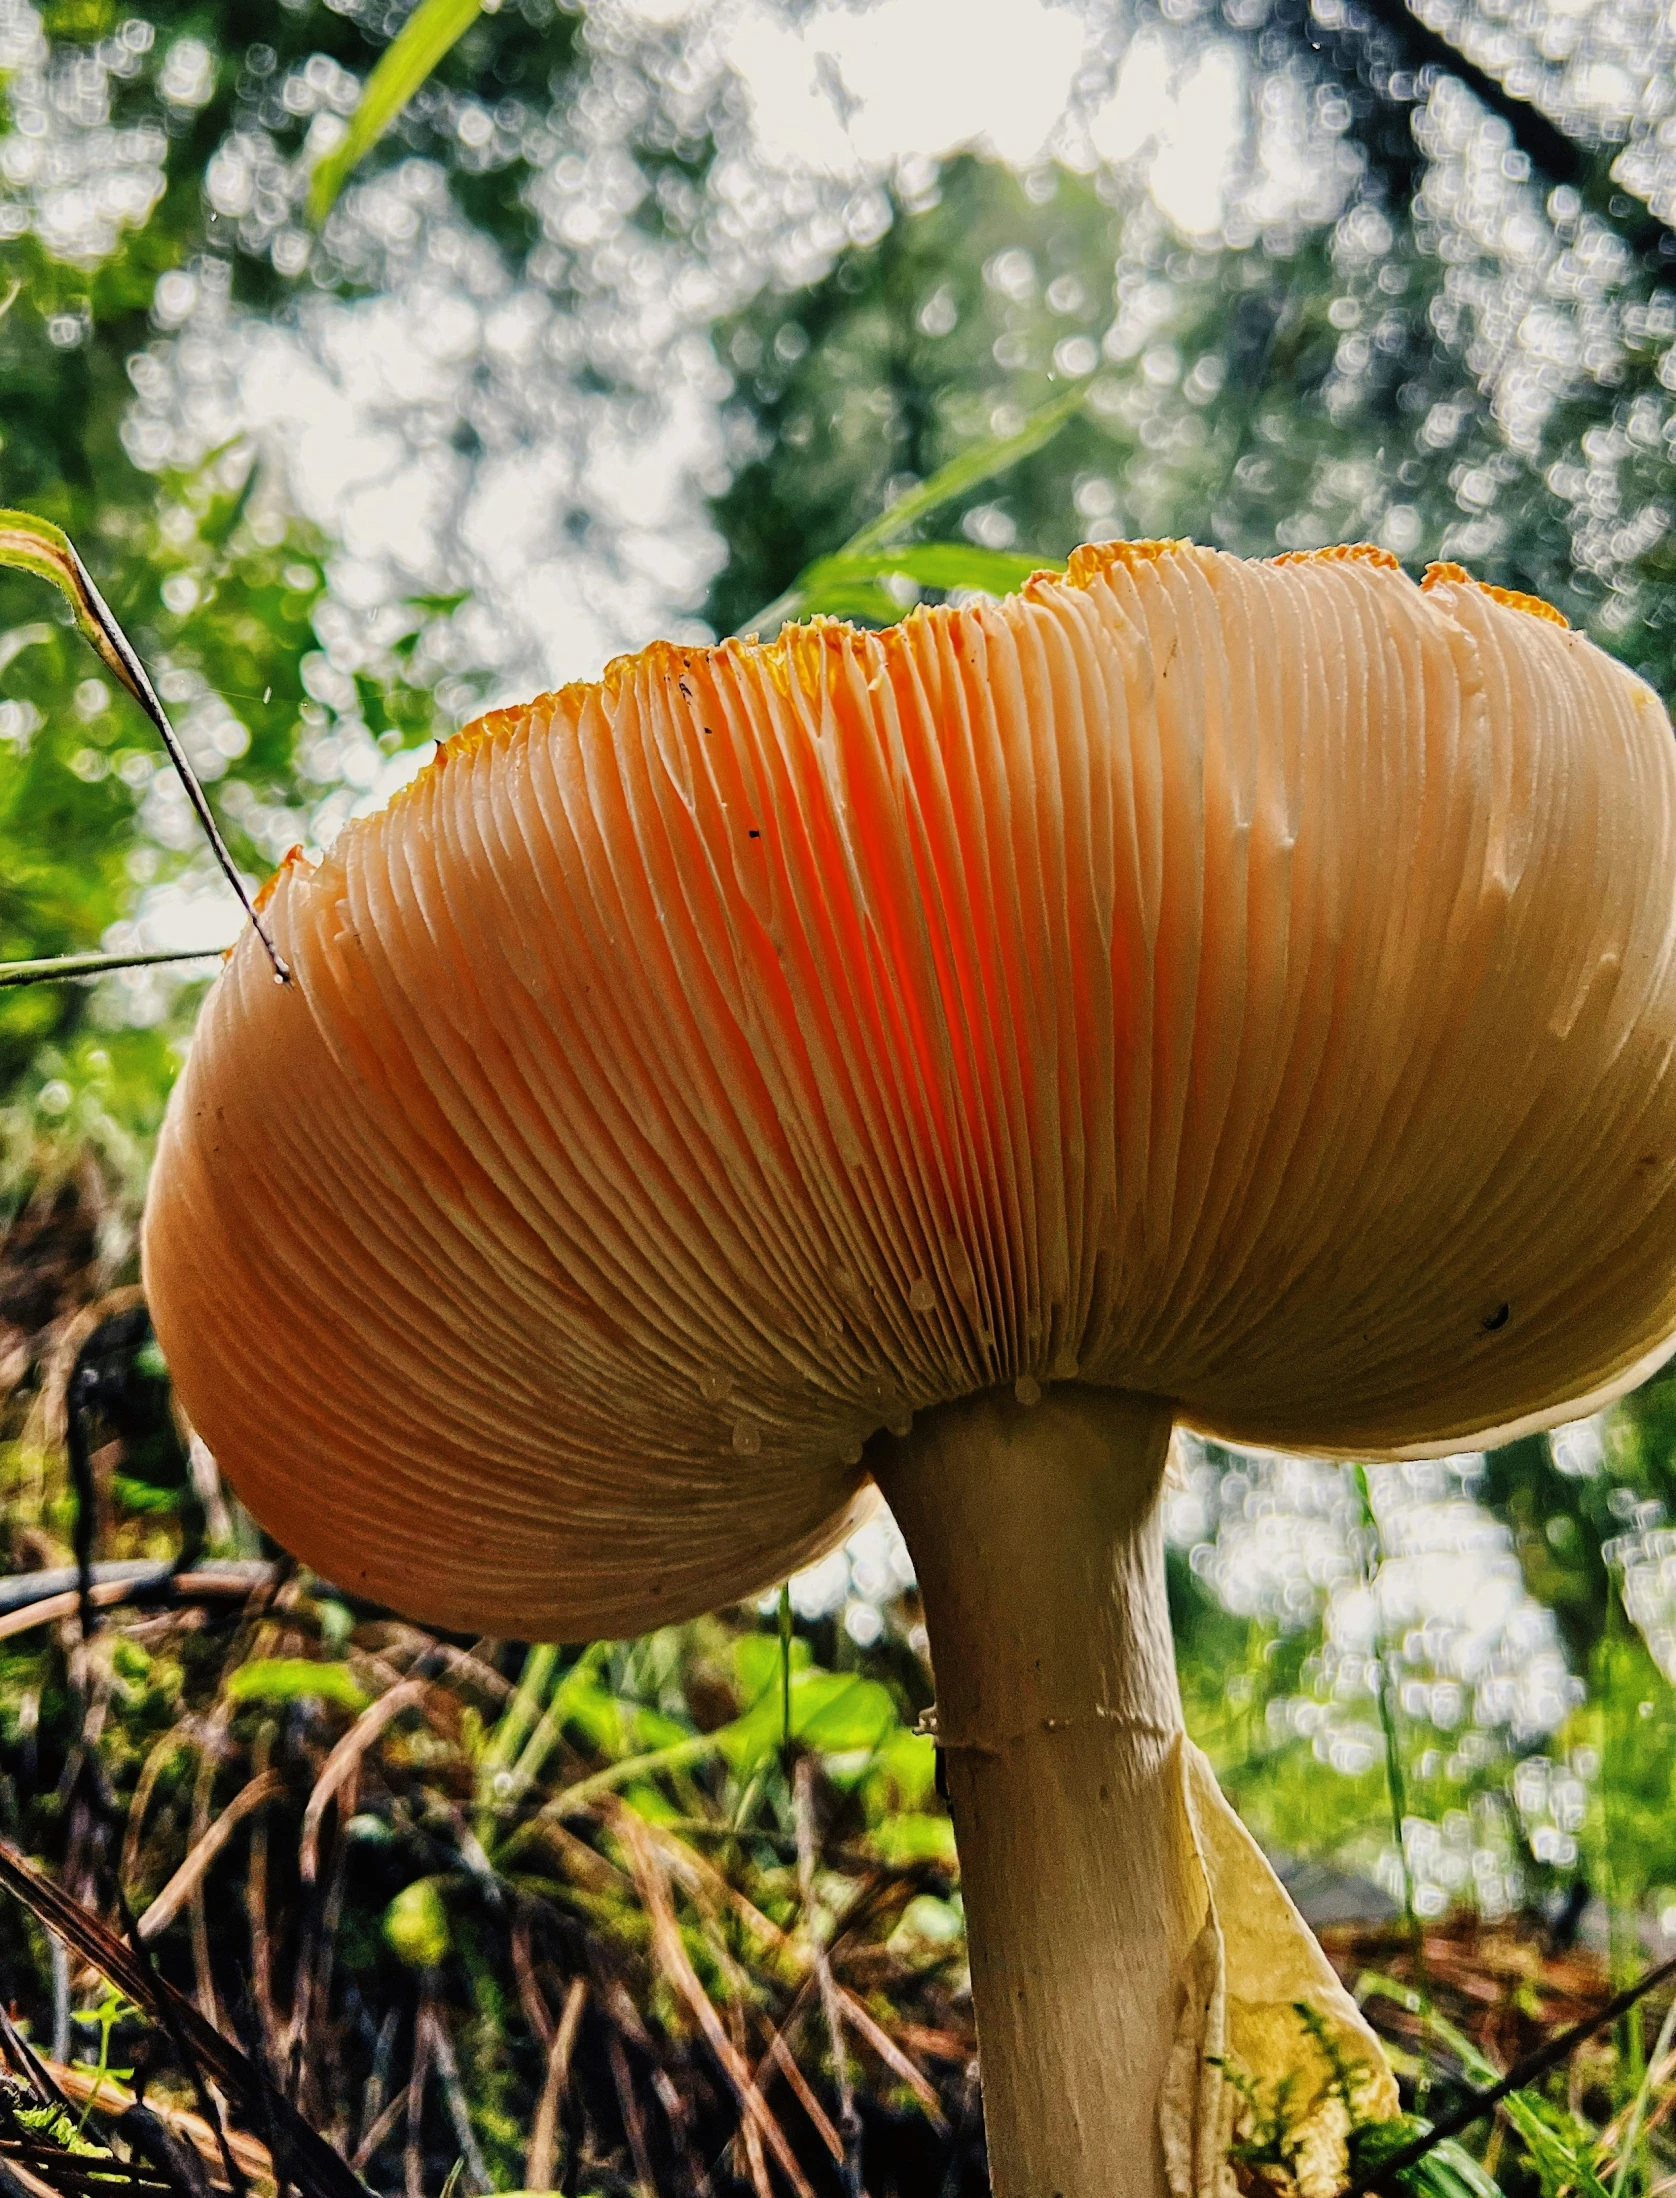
[1190, 988]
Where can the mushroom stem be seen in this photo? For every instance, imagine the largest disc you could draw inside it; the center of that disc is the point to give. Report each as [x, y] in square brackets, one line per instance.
[1037, 1536]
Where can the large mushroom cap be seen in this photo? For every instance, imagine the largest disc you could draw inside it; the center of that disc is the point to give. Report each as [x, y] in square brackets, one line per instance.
[1248, 984]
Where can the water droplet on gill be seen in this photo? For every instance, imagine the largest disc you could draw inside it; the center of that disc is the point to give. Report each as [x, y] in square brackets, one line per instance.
[959, 1263]
[1027, 1389]
[851, 1452]
[1065, 1367]
[901, 1423]
[850, 1149]
[712, 1386]
[986, 1337]
[843, 1280]
[747, 1440]
[921, 1296]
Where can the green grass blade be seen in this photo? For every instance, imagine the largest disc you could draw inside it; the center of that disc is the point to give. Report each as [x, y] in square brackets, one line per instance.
[1643, 2095]
[29, 544]
[929, 564]
[1561, 2166]
[840, 595]
[785, 1631]
[842, 586]
[512, 1728]
[59, 967]
[430, 31]
[1562, 2163]
[970, 470]
[297, 1679]
[545, 1738]
[1396, 1789]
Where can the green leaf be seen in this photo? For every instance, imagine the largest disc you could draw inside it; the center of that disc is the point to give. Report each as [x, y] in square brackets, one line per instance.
[914, 1835]
[831, 582]
[34, 545]
[1447, 2171]
[841, 597]
[904, 1770]
[838, 1713]
[948, 565]
[1562, 2162]
[434, 27]
[297, 1679]
[1450, 2171]
[370, 695]
[787, 1636]
[970, 470]
[756, 1662]
[416, 1924]
[220, 521]
[834, 1713]
[31, 544]
[142, 1497]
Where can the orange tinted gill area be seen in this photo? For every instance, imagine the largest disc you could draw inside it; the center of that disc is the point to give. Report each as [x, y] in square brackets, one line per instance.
[1093, 558]
[265, 892]
[1342, 553]
[496, 725]
[1532, 605]
[492, 726]
[897, 1022]
[802, 658]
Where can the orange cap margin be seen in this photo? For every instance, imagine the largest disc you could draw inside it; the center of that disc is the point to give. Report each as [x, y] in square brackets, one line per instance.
[1532, 605]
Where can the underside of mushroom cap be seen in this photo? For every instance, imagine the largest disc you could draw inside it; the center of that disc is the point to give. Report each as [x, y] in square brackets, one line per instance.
[1249, 984]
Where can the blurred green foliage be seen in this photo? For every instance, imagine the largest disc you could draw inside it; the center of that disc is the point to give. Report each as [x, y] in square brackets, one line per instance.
[215, 579]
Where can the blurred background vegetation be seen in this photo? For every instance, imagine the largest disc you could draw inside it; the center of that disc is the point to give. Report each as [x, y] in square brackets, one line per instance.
[635, 311]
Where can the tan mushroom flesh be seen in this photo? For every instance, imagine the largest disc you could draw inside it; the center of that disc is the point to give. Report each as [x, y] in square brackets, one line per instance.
[944, 1058]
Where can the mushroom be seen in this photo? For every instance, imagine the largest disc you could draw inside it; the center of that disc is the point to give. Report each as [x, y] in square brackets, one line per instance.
[939, 1062]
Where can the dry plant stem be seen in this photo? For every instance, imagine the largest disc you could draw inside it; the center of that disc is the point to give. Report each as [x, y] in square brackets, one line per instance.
[1038, 1542]
[543, 2152]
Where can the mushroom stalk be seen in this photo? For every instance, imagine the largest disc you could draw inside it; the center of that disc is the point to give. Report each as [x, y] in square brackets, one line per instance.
[1037, 1535]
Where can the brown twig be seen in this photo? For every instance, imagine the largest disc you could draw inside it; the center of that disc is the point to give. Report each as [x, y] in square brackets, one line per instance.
[180, 1736]
[80, 2085]
[634, 2126]
[785, 2060]
[530, 1995]
[414, 2156]
[888, 2051]
[379, 2128]
[256, 1914]
[345, 1759]
[454, 2094]
[673, 1959]
[266, 1786]
[155, 1583]
[542, 2156]
[209, 1762]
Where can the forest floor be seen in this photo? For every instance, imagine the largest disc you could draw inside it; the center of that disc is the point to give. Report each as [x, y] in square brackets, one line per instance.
[313, 1885]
